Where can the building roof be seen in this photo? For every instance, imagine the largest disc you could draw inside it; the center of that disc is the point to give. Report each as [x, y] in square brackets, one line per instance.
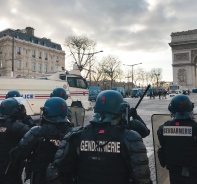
[21, 34]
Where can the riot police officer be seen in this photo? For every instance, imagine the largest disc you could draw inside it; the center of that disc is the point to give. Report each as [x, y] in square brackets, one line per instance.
[13, 93]
[61, 92]
[40, 143]
[23, 117]
[178, 152]
[136, 123]
[104, 151]
[11, 131]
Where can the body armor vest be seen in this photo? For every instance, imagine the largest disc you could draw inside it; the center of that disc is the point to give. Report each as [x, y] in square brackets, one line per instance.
[47, 146]
[101, 157]
[8, 140]
[180, 150]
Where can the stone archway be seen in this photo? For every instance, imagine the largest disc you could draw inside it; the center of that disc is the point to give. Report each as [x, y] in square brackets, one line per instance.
[184, 58]
[195, 70]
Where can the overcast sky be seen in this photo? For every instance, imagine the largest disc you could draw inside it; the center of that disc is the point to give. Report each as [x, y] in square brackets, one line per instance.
[134, 30]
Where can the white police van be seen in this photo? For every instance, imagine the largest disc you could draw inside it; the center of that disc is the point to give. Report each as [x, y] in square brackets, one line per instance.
[37, 91]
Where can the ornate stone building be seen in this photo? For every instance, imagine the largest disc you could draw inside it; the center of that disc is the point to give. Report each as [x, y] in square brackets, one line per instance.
[184, 58]
[23, 54]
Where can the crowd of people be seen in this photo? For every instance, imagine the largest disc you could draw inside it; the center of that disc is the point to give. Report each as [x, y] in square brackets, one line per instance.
[110, 149]
[162, 94]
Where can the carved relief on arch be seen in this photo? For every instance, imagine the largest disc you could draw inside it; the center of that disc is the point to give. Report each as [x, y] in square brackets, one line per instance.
[193, 56]
[182, 77]
[181, 57]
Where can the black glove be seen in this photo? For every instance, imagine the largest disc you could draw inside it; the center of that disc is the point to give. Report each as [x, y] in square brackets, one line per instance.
[133, 112]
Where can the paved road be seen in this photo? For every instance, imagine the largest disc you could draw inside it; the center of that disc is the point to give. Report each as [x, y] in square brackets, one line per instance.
[146, 109]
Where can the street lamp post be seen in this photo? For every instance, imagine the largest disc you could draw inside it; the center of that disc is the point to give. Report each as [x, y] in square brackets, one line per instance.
[91, 55]
[128, 81]
[132, 70]
[91, 64]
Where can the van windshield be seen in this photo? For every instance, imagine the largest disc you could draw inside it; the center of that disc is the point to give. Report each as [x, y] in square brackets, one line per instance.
[77, 82]
[134, 91]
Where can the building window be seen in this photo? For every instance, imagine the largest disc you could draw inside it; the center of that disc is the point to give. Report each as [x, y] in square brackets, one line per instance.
[1, 64]
[46, 57]
[19, 64]
[46, 68]
[57, 59]
[26, 51]
[26, 64]
[52, 69]
[39, 67]
[33, 53]
[33, 66]
[40, 55]
[18, 50]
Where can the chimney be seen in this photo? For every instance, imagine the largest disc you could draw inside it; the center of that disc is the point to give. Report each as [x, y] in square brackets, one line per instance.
[30, 31]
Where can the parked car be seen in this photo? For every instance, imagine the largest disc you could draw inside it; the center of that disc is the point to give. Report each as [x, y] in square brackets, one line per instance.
[136, 92]
[93, 92]
[121, 90]
[194, 90]
[151, 90]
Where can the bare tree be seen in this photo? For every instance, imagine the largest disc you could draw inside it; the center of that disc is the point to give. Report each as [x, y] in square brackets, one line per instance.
[97, 72]
[156, 75]
[82, 50]
[111, 67]
[142, 76]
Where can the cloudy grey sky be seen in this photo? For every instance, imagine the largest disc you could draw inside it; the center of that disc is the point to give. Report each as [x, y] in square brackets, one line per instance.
[133, 30]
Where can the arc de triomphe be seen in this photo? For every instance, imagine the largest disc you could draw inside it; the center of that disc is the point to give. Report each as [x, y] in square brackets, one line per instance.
[184, 58]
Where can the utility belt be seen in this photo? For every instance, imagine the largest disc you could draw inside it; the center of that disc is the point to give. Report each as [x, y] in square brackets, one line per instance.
[182, 170]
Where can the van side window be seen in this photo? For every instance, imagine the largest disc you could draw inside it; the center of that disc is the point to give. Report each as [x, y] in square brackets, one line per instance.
[62, 76]
[71, 82]
[77, 82]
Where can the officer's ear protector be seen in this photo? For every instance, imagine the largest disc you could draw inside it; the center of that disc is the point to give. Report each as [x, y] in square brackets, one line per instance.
[18, 109]
[43, 110]
[170, 107]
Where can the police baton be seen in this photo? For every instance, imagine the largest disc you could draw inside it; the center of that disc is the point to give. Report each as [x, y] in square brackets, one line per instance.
[7, 168]
[141, 98]
[11, 152]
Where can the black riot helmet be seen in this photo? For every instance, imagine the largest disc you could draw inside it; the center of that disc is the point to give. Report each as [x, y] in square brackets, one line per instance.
[110, 102]
[59, 92]
[181, 107]
[13, 93]
[55, 110]
[10, 108]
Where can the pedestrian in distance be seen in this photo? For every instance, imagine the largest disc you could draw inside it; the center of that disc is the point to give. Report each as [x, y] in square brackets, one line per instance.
[178, 142]
[40, 143]
[151, 94]
[104, 151]
[154, 94]
[11, 131]
[165, 94]
[159, 93]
